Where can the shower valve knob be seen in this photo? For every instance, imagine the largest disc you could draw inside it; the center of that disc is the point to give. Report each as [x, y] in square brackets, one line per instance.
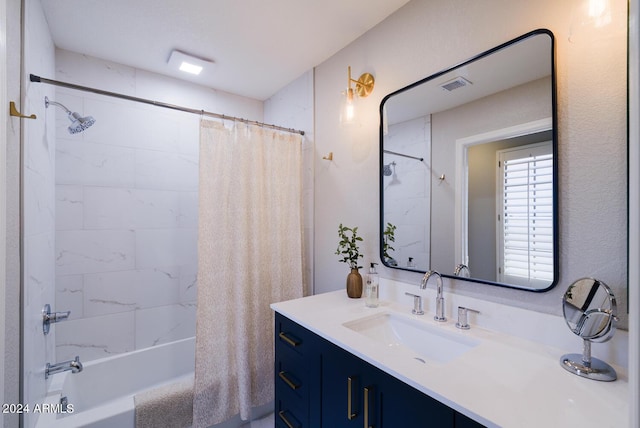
[49, 317]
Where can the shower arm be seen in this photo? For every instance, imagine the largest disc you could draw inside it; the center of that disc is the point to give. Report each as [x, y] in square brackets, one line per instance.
[47, 102]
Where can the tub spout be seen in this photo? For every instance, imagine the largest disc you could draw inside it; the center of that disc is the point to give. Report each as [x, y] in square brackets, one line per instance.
[74, 365]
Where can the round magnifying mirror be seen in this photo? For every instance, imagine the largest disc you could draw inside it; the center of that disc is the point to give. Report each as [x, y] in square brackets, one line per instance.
[589, 308]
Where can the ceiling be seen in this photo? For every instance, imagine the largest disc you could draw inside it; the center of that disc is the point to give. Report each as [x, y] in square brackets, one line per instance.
[258, 46]
[513, 65]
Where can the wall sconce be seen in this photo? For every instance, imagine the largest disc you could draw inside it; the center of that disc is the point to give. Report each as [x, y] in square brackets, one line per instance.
[363, 87]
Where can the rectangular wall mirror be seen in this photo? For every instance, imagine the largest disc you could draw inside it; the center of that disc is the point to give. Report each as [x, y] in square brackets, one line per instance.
[468, 169]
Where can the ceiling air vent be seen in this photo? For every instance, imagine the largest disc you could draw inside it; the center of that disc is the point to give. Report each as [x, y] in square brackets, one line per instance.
[456, 83]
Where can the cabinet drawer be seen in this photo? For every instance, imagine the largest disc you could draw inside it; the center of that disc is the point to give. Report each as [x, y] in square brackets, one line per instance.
[292, 375]
[289, 416]
[290, 335]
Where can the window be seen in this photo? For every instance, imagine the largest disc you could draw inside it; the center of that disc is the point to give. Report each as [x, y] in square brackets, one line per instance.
[525, 215]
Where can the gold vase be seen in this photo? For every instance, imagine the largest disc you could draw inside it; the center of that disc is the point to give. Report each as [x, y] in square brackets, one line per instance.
[354, 284]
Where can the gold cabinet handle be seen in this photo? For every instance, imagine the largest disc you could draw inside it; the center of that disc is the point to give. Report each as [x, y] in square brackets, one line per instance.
[350, 413]
[284, 419]
[283, 336]
[285, 378]
[366, 407]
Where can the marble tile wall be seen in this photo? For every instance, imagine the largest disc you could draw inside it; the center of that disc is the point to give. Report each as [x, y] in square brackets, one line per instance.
[407, 190]
[126, 227]
[38, 221]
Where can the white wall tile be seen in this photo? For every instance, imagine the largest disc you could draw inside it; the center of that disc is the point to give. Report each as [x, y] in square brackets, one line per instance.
[188, 218]
[110, 293]
[165, 247]
[39, 203]
[133, 125]
[86, 251]
[158, 287]
[189, 283]
[70, 295]
[96, 337]
[37, 188]
[164, 324]
[79, 162]
[189, 136]
[69, 207]
[120, 208]
[113, 292]
[169, 171]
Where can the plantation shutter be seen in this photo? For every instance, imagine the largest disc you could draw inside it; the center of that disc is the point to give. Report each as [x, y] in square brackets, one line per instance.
[526, 215]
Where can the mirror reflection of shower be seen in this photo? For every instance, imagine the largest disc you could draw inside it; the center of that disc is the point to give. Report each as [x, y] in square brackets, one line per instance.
[78, 123]
[389, 170]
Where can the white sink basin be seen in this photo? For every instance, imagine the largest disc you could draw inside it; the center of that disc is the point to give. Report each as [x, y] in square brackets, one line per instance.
[424, 341]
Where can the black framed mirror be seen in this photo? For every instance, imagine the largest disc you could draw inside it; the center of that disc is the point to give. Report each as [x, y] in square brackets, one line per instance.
[468, 169]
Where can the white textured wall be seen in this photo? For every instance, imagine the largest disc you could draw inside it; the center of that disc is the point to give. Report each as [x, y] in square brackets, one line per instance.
[126, 207]
[427, 36]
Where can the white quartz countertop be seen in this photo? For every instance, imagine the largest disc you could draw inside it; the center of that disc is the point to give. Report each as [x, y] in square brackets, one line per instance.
[504, 381]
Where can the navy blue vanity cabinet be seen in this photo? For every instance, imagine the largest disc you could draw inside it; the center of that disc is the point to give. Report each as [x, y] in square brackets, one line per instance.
[355, 393]
[344, 379]
[297, 371]
[464, 422]
[320, 385]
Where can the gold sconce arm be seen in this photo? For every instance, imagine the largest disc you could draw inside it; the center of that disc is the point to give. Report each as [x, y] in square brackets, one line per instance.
[364, 84]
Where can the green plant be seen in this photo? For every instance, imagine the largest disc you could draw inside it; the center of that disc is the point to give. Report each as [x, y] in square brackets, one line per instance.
[389, 236]
[348, 246]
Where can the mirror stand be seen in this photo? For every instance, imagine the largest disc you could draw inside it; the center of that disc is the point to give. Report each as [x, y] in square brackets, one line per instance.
[589, 308]
[587, 366]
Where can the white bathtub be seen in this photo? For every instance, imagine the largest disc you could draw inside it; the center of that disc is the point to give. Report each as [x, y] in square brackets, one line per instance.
[102, 394]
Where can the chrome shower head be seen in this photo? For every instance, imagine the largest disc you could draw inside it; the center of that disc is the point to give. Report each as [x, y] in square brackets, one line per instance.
[78, 123]
[386, 169]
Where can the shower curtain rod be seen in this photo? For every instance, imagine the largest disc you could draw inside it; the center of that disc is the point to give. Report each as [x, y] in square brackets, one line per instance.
[403, 155]
[35, 78]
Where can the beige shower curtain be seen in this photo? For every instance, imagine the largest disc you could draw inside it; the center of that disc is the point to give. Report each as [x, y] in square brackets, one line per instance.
[249, 256]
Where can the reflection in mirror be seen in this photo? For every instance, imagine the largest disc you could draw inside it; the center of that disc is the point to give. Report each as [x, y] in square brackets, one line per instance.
[589, 308]
[468, 169]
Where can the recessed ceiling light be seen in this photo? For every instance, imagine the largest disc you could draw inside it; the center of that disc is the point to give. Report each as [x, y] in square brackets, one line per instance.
[188, 63]
[190, 68]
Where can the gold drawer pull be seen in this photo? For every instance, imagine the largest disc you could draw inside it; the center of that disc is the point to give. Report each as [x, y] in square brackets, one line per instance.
[285, 378]
[350, 413]
[282, 335]
[366, 407]
[285, 420]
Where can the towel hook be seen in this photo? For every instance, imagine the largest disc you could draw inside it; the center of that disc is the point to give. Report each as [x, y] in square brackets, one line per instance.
[13, 111]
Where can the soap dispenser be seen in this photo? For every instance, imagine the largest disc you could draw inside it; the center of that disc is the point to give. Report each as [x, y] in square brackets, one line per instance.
[371, 289]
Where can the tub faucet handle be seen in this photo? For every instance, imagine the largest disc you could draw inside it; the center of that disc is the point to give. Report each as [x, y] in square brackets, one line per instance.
[49, 317]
